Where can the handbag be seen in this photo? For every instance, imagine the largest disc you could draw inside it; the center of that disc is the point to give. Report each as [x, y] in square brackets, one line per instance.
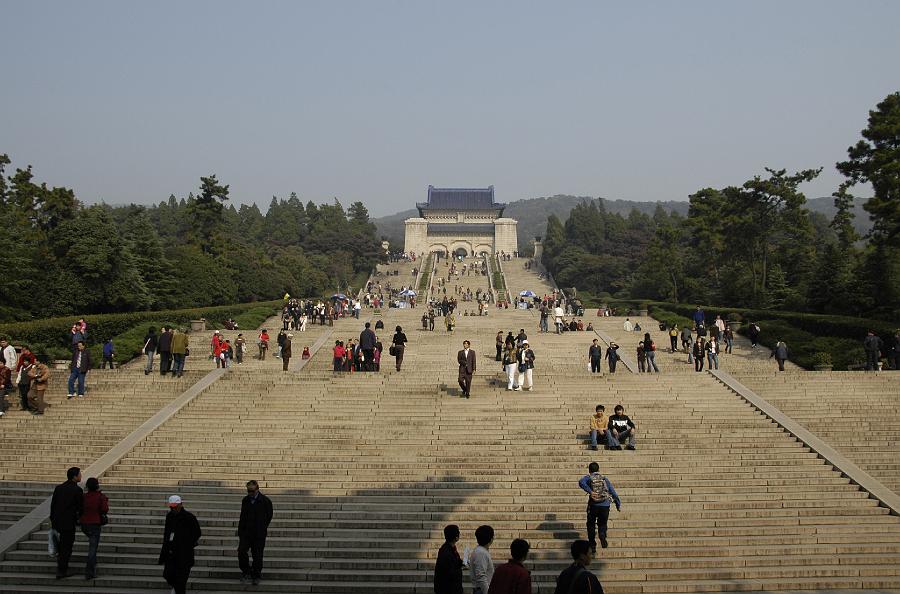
[52, 542]
[104, 519]
[393, 351]
[187, 352]
[522, 367]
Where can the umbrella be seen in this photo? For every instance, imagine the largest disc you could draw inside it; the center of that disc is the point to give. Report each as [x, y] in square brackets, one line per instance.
[527, 294]
[408, 293]
[340, 296]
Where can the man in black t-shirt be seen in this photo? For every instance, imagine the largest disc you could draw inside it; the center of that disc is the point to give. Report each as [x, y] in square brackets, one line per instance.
[577, 579]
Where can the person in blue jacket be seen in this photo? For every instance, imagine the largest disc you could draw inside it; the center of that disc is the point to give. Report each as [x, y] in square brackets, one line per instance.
[600, 494]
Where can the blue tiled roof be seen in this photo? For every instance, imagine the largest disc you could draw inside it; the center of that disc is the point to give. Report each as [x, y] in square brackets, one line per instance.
[460, 199]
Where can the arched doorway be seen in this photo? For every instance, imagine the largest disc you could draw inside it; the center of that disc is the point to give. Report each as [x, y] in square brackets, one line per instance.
[460, 251]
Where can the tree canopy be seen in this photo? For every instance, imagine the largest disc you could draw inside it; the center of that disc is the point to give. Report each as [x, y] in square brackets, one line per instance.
[65, 258]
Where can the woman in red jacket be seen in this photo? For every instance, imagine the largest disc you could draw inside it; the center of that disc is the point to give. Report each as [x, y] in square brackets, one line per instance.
[96, 506]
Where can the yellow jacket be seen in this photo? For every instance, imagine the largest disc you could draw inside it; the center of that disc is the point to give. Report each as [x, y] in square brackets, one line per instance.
[599, 423]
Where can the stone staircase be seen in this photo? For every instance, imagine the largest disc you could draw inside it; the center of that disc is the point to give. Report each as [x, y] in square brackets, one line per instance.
[857, 413]
[365, 470]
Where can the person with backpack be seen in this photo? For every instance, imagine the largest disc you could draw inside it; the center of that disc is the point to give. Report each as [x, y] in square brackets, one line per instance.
[576, 579]
[686, 341]
[601, 494]
[650, 352]
[781, 354]
[673, 337]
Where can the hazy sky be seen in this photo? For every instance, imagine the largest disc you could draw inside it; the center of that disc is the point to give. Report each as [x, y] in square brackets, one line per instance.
[373, 101]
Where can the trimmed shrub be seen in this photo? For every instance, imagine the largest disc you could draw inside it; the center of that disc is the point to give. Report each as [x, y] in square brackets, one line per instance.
[50, 339]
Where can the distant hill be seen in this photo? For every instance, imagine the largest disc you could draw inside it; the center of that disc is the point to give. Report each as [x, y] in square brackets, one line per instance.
[532, 214]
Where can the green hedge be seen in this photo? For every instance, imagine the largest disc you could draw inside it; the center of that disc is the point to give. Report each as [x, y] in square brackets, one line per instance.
[425, 277]
[817, 324]
[803, 345]
[50, 338]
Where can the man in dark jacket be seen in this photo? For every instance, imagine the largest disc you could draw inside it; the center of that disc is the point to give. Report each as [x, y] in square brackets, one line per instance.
[448, 568]
[512, 577]
[256, 515]
[164, 344]
[872, 345]
[367, 344]
[576, 579]
[181, 536]
[80, 365]
[65, 509]
[466, 360]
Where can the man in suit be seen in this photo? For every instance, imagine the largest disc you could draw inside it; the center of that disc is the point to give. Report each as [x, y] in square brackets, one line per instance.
[256, 515]
[466, 360]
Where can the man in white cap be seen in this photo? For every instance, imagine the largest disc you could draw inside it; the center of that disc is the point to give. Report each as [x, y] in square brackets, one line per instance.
[181, 536]
[526, 366]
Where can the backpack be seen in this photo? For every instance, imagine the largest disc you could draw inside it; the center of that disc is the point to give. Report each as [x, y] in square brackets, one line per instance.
[599, 488]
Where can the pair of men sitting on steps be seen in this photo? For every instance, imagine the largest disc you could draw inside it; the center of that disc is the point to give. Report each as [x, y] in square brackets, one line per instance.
[612, 429]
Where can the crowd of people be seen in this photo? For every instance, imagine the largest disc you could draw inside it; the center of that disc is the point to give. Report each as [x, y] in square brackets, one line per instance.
[71, 508]
[513, 577]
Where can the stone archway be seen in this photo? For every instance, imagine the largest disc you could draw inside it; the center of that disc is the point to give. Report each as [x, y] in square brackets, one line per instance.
[461, 246]
[439, 248]
[482, 250]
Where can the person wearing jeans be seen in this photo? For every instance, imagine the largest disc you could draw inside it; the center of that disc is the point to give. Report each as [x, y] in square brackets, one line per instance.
[600, 494]
[620, 426]
[80, 365]
[599, 422]
[712, 353]
[150, 342]
[96, 505]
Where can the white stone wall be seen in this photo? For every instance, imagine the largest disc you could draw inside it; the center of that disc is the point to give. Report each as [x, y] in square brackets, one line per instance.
[416, 240]
[505, 235]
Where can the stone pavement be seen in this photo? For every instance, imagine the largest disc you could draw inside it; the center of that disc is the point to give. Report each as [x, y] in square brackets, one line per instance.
[365, 470]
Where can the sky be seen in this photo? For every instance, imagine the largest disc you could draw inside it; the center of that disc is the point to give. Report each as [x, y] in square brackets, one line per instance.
[129, 102]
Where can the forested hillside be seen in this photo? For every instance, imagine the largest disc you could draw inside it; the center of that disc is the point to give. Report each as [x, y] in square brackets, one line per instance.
[754, 245]
[532, 215]
[64, 258]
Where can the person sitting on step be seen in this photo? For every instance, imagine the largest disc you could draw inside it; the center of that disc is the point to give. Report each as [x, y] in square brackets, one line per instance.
[599, 422]
[620, 427]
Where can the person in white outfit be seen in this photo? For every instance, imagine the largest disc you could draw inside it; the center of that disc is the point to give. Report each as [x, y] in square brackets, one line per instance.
[628, 326]
[480, 562]
[510, 362]
[526, 366]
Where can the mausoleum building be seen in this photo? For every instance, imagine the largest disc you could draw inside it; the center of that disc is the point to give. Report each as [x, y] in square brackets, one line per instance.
[463, 221]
